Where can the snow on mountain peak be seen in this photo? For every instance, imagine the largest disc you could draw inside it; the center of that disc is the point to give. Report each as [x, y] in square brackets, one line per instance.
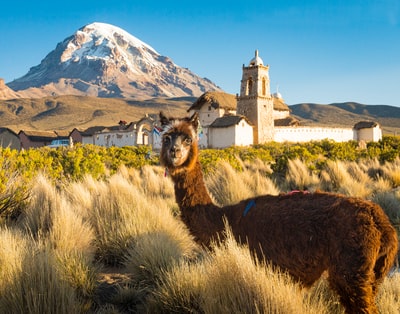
[114, 31]
[97, 40]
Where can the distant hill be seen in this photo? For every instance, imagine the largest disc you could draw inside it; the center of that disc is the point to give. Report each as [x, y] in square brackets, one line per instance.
[347, 114]
[68, 112]
[6, 92]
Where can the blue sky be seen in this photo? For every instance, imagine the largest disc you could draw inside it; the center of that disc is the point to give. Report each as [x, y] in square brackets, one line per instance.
[321, 51]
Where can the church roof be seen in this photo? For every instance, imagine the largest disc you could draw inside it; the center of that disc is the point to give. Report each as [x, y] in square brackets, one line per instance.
[228, 102]
[279, 104]
[228, 120]
[288, 121]
[216, 100]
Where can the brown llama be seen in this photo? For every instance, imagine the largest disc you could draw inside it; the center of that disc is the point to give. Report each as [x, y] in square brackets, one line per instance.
[304, 234]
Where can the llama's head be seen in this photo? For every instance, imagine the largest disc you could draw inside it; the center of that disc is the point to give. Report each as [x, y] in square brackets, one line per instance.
[179, 142]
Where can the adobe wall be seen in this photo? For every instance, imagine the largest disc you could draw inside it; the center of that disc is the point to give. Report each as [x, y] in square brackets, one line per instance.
[306, 134]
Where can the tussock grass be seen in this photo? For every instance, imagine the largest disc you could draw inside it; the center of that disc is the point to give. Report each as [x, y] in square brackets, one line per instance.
[299, 177]
[228, 186]
[388, 298]
[392, 171]
[70, 242]
[36, 217]
[390, 204]
[35, 286]
[228, 279]
[13, 246]
[345, 178]
[153, 183]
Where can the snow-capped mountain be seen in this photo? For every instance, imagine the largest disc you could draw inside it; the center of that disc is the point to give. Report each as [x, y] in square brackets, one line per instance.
[106, 61]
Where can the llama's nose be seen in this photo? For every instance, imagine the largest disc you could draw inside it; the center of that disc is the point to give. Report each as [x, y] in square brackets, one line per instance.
[175, 150]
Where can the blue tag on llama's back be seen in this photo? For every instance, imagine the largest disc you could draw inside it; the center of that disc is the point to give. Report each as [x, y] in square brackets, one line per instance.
[249, 205]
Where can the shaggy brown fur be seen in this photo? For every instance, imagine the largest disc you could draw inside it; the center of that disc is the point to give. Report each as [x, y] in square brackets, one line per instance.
[304, 234]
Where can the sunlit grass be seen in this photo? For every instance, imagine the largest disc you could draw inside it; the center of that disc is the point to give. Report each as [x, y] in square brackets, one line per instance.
[69, 238]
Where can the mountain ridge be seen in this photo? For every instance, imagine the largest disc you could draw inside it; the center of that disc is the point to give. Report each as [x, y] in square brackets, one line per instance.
[103, 60]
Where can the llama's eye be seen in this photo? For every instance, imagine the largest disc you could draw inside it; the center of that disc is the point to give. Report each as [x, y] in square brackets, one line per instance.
[188, 141]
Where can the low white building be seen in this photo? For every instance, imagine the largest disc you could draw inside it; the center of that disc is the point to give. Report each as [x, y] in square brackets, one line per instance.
[230, 131]
[368, 131]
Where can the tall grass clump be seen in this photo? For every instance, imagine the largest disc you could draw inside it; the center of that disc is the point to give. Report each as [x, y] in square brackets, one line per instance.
[72, 239]
[44, 200]
[121, 213]
[391, 171]
[36, 287]
[345, 178]
[388, 298]
[229, 280]
[229, 186]
[299, 177]
[56, 223]
[391, 205]
[13, 247]
[153, 183]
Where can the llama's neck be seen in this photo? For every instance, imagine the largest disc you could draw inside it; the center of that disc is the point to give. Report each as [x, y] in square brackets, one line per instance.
[198, 212]
[190, 190]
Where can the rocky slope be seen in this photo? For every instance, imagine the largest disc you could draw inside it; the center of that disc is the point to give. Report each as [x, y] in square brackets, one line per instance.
[105, 61]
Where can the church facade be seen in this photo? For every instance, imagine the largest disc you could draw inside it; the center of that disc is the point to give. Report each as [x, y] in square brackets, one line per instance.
[255, 116]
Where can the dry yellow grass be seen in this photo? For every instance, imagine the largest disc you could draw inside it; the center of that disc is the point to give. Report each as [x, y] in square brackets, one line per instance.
[228, 186]
[229, 280]
[299, 177]
[56, 256]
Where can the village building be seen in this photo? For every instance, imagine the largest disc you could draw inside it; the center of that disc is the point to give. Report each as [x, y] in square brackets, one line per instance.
[142, 132]
[8, 138]
[85, 136]
[225, 119]
[32, 139]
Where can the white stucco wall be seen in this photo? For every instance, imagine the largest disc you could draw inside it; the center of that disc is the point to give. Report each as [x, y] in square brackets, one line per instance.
[208, 114]
[240, 134]
[244, 134]
[370, 134]
[305, 134]
[203, 138]
[118, 139]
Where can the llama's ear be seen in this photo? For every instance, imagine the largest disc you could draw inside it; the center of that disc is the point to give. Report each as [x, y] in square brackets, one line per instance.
[163, 119]
[194, 120]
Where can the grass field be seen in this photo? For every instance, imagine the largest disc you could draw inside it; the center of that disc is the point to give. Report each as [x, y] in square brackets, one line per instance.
[116, 245]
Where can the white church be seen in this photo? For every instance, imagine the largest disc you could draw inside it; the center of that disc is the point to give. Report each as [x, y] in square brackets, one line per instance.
[256, 116]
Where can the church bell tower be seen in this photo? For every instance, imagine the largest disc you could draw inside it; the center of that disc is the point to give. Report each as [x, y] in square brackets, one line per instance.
[255, 100]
